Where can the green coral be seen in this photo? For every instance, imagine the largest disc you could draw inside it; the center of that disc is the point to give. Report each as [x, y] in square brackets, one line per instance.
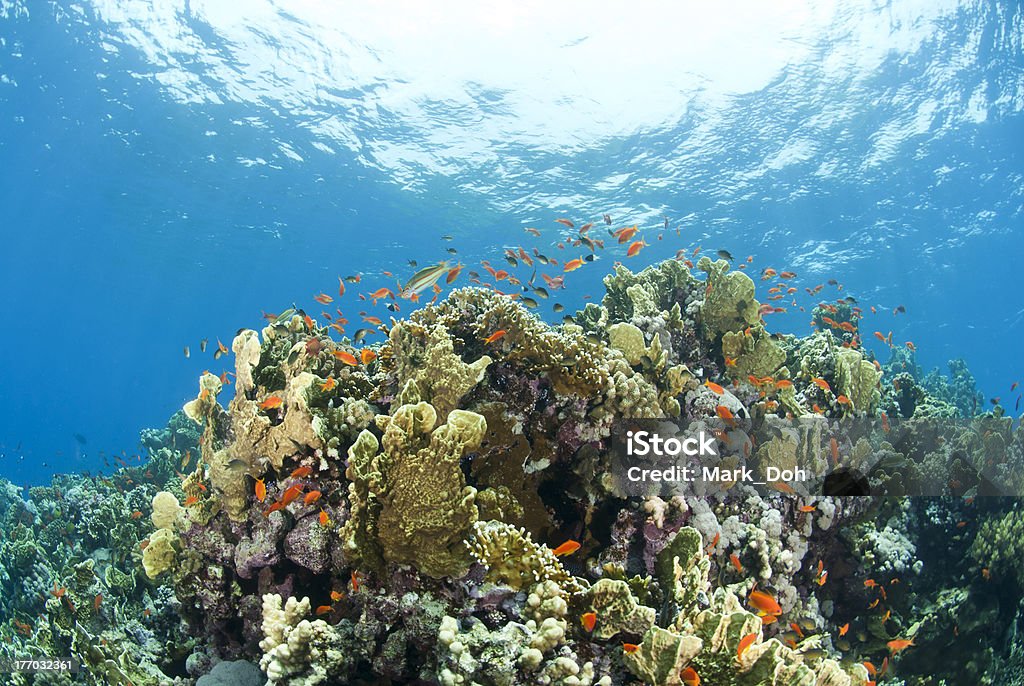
[857, 379]
[512, 557]
[729, 303]
[618, 610]
[657, 288]
[426, 355]
[683, 568]
[708, 640]
[999, 545]
[412, 498]
[753, 351]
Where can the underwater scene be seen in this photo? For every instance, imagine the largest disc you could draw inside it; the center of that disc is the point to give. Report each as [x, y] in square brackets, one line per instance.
[512, 344]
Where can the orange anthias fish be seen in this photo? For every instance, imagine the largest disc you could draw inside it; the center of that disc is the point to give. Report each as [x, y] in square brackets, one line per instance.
[323, 610]
[844, 628]
[453, 273]
[843, 400]
[725, 413]
[311, 497]
[566, 222]
[714, 388]
[821, 383]
[381, 293]
[630, 648]
[573, 265]
[290, 495]
[783, 383]
[261, 490]
[272, 403]
[635, 248]
[745, 643]
[899, 644]
[346, 358]
[355, 581]
[191, 500]
[497, 335]
[367, 355]
[324, 519]
[273, 508]
[323, 298]
[589, 621]
[835, 450]
[567, 548]
[764, 602]
[337, 595]
[328, 385]
[736, 562]
[690, 677]
[301, 472]
[807, 508]
[97, 601]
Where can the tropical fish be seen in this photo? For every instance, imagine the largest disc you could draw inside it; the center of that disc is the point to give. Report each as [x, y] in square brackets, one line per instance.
[289, 496]
[273, 508]
[725, 255]
[301, 472]
[821, 383]
[690, 677]
[187, 353]
[500, 333]
[558, 307]
[764, 602]
[635, 248]
[367, 355]
[844, 628]
[425, 278]
[324, 519]
[323, 298]
[567, 548]
[573, 265]
[745, 643]
[328, 385]
[202, 345]
[97, 601]
[736, 562]
[589, 621]
[625, 234]
[271, 402]
[532, 231]
[714, 388]
[323, 610]
[261, 490]
[566, 222]
[899, 644]
[630, 648]
[311, 497]
[453, 273]
[346, 357]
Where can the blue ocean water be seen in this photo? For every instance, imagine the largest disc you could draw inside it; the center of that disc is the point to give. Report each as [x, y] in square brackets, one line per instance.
[172, 170]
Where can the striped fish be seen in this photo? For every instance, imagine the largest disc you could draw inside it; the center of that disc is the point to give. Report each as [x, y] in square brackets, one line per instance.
[424, 279]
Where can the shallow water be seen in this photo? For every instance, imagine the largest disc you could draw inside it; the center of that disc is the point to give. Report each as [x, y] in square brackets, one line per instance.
[177, 175]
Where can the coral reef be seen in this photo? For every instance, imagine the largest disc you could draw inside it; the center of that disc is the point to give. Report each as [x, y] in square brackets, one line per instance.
[443, 508]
